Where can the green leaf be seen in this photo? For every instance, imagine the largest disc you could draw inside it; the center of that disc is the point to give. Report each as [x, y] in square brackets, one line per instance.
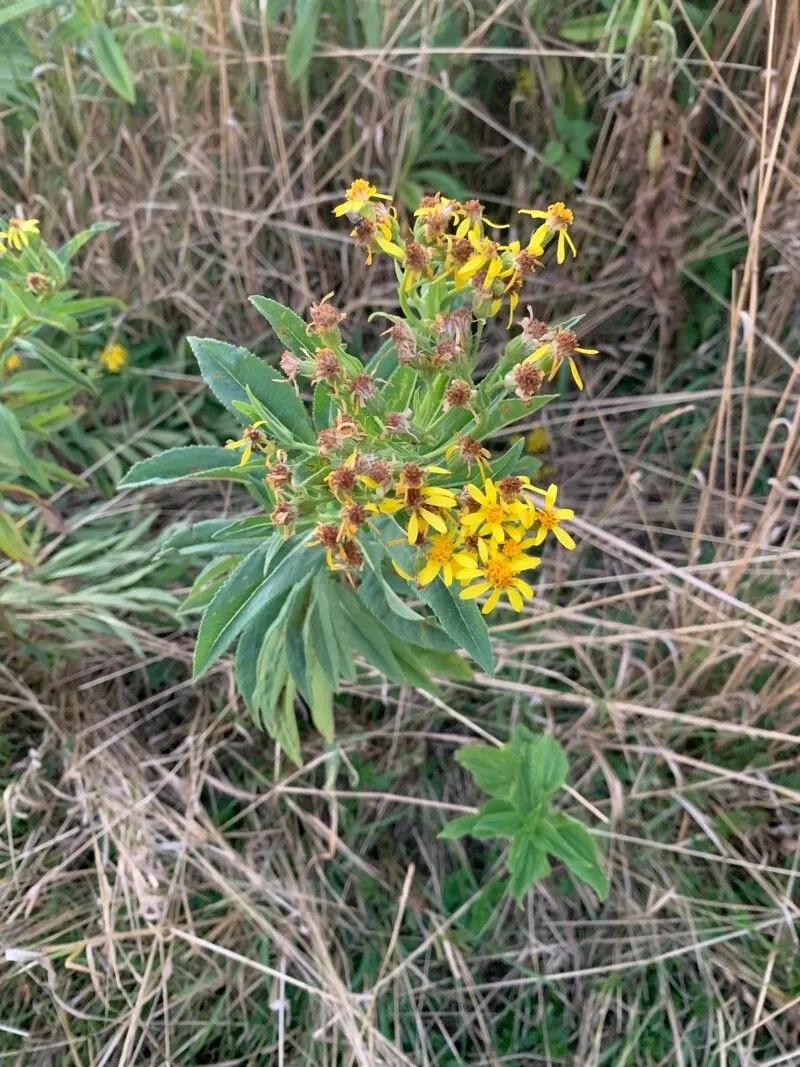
[112, 63]
[249, 589]
[206, 585]
[507, 463]
[296, 607]
[321, 632]
[459, 827]
[260, 664]
[553, 153]
[302, 39]
[512, 410]
[399, 389]
[188, 462]
[289, 328]
[322, 407]
[234, 374]
[497, 824]
[527, 861]
[74, 244]
[21, 8]
[321, 696]
[12, 444]
[367, 635]
[547, 765]
[462, 620]
[55, 362]
[585, 29]
[285, 732]
[492, 768]
[570, 841]
[12, 543]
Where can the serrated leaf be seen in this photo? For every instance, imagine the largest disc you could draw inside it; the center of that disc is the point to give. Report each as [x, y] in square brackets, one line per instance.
[289, 328]
[527, 862]
[497, 824]
[188, 462]
[111, 62]
[570, 841]
[462, 620]
[234, 374]
[492, 768]
[547, 765]
[458, 827]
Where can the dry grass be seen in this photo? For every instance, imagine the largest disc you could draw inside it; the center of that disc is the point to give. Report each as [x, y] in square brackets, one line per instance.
[170, 894]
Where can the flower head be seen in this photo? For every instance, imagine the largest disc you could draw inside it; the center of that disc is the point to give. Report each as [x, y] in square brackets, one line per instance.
[493, 514]
[252, 437]
[114, 357]
[526, 379]
[443, 557]
[357, 197]
[13, 363]
[563, 346]
[557, 219]
[498, 575]
[549, 518]
[19, 232]
[324, 318]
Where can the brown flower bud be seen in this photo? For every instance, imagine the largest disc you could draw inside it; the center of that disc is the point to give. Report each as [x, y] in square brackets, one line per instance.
[416, 257]
[289, 364]
[412, 476]
[565, 342]
[460, 251]
[446, 351]
[458, 394]
[533, 329]
[323, 318]
[362, 388]
[326, 366]
[467, 504]
[353, 516]
[279, 475]
[363, 232]
[380, 471]
[469, 449]
[398, 421]
[526, 380]
[510, 487]
[284, 515]
[346, 426]
[342, 481]
[326, 534]
[353, 555]
[328, 441]
[37, 283]
[525, 263]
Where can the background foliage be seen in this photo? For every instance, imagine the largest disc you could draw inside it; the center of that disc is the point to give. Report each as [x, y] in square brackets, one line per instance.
[171, 894]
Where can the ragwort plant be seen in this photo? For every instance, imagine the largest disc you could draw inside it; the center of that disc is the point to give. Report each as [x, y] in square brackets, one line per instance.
[383, 519]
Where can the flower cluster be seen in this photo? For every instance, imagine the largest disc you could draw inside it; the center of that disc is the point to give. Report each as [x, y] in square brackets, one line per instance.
[399, 457]
[18, 234]
[450, 243]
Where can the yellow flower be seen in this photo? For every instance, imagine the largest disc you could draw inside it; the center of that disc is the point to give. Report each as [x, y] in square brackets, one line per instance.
[550, 518]
[498, 575]
[424, 504]
[19, 232]
[563, 346]
[444, 557]
[13, 363]
[251, 437]
[557, 219]
[493, 512]
[537, 441]
[485, 257]
[358, 196]
[114, 357]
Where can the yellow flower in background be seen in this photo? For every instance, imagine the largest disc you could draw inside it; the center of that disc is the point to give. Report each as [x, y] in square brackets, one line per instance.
[492, 513]
[114, 357]
[557, 219]
[19, 232]
[550, 518]
[357, 197]
[443, 557]
[13, 363]
[497, 576]
[537, 441]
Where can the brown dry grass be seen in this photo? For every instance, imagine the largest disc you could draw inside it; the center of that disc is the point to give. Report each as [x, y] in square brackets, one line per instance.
[172, 896]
